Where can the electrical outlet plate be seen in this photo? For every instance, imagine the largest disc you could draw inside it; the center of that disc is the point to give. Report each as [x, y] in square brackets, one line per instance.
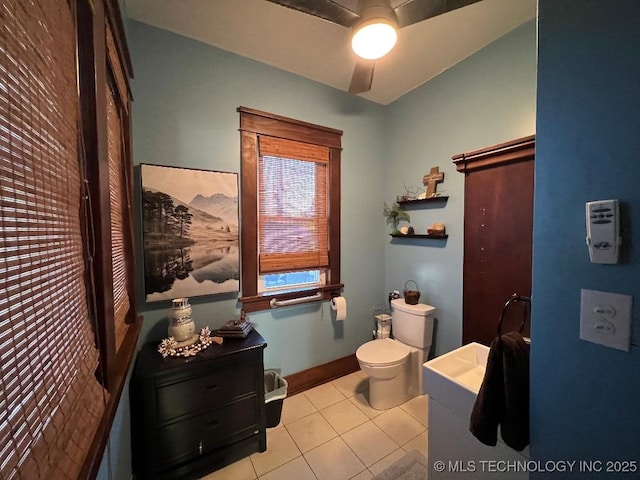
[605, 319]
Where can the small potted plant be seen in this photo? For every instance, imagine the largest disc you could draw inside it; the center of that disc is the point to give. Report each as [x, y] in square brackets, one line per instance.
[409, 194]
[395, 214]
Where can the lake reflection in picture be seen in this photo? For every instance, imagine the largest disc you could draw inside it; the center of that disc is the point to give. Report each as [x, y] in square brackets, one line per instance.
[190, 232]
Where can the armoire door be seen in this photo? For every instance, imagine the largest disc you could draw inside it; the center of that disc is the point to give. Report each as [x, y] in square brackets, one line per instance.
[498, 230]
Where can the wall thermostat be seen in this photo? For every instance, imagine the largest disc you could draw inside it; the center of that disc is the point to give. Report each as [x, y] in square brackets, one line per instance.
[603, 231]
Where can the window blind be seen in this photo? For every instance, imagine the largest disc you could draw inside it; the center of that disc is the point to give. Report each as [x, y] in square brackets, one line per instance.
[50, 400]
[292, 203]
[118, 202]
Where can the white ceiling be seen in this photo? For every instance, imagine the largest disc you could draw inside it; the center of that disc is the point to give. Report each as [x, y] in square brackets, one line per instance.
[320, 50]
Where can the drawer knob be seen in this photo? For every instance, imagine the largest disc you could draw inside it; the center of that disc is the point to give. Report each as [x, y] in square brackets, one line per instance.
[200, 448]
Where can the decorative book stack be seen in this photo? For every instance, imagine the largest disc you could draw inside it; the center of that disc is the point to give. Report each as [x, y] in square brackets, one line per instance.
[235, 328]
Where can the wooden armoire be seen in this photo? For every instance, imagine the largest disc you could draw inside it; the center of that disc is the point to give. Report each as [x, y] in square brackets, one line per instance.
[498, 231]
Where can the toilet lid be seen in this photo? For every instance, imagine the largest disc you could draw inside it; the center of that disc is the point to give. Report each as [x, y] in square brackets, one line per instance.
[382, 352]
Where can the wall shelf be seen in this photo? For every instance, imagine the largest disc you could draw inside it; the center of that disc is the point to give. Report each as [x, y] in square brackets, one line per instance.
[422, 201]
[435, 237]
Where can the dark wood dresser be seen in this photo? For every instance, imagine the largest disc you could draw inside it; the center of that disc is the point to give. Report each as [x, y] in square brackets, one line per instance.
[191, 416]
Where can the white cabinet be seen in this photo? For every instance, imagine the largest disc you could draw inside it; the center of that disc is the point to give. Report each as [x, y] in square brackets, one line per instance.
[464, 457]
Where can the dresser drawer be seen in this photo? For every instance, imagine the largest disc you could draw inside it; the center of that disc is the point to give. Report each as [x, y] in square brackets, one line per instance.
[200, 435]
[190, 416]
[209, 390]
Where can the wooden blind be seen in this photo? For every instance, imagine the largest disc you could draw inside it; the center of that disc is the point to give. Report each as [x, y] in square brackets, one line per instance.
[50, 401]
[293, 223]
[119, 227]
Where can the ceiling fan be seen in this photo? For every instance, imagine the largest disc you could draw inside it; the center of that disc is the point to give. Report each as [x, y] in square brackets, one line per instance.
[374, 25]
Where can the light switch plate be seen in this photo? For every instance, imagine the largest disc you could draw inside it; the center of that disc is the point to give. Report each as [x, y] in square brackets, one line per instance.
[605, 318]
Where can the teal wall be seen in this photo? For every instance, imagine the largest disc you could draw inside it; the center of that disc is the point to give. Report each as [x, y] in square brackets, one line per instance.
[184, 114]
[584, 397]
[488, 98]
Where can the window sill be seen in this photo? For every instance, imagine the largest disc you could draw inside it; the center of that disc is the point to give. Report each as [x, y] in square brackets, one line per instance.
[118, 378]
[263, 302]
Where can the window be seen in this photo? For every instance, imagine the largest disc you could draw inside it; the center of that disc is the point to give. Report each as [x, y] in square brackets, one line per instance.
[111, 179]
[290, 209]
[51, 403]
[294, 280]
[68, 329]
[105, 68]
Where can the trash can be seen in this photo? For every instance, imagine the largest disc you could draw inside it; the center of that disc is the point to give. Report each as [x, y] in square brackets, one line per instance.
[275, 391]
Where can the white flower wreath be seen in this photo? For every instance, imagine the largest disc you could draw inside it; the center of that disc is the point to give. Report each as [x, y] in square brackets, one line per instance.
[169, 346]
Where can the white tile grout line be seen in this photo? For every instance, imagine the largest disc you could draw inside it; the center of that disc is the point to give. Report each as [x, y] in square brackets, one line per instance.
[316, 410]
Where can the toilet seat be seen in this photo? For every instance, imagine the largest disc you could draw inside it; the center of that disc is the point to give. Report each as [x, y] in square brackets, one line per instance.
[382, 353]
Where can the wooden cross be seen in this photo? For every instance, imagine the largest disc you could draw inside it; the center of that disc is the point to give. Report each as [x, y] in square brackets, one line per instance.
[432, 180]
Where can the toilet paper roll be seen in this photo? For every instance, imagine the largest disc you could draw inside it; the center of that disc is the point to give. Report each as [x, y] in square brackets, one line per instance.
[339, 304]
[384, 332]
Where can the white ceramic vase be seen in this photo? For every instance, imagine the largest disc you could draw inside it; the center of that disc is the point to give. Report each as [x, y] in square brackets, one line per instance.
[181, 325]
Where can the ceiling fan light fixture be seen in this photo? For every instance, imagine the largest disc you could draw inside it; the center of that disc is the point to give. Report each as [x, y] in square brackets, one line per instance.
[374, 38]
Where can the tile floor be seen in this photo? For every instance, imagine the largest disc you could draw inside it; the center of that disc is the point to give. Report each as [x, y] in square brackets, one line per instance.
[331, 433]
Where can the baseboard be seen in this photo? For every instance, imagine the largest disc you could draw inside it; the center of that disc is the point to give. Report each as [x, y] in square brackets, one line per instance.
[314, 376]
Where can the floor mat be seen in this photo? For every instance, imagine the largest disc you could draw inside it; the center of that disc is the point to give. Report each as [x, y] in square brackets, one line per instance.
[413, 466]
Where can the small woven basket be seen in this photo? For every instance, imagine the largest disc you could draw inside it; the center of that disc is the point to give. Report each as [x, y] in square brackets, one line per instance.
[411, 297]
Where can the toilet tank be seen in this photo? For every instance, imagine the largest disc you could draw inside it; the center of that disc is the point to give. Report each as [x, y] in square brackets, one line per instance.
[412, 324]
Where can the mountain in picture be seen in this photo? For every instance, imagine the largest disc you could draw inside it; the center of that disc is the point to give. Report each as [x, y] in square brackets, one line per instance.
[219, 205]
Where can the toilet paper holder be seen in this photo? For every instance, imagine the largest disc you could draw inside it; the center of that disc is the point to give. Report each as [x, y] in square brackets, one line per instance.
[339, 305]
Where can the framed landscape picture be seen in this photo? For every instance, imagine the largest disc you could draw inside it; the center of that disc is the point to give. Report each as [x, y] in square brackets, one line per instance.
[190, 232]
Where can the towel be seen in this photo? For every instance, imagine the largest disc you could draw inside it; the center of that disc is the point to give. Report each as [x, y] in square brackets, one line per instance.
[503, 398]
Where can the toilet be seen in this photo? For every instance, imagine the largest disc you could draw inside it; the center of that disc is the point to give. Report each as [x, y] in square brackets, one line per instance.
[394, 364]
